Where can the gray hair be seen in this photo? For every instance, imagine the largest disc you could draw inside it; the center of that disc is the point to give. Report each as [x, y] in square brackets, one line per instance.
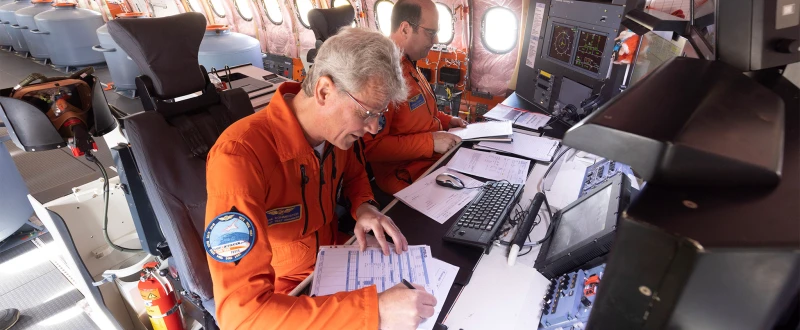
[357, 59]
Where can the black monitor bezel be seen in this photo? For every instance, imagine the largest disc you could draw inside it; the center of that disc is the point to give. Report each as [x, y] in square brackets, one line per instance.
[579, 26]
[612, 216]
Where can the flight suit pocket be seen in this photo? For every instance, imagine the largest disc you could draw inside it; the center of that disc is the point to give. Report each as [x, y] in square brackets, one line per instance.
[287, 255]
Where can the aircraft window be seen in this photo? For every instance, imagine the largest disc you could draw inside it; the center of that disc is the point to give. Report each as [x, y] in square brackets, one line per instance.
[303, 7]
[446, 21]
[244, 9]
[274, 13]
[383, 13]
[195, 6]
[217, 7]
[499, 30]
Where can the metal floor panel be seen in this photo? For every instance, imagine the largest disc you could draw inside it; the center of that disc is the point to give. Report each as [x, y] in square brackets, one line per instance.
[43, 170]
[43, 295]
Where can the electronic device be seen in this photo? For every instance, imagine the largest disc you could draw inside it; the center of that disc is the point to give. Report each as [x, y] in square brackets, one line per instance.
[479, 223]
[569, 299]
[450, 181]
[582, 232]
[568, 54]
[281, 65]
[601, 171]
[677, 141]
[755, 35]
[524, 228]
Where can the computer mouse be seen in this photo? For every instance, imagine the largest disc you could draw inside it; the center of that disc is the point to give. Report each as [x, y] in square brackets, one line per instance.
[450, 181]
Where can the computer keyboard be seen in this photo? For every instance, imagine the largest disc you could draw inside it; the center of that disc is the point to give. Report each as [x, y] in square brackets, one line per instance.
[484, 216]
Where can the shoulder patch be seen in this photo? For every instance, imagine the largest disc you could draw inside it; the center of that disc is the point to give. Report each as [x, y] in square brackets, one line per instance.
[416, 101]
[284, 214]
[229, 237]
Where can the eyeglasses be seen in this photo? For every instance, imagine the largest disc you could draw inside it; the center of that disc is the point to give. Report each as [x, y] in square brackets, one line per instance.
[367, 113]
[431, 32]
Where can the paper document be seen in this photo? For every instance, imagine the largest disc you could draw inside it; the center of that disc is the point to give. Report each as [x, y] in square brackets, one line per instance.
[491, 166]
[483, 129]
[529, 146]
[517, 116]
[437, 202]
[345, 268]
[442, 276]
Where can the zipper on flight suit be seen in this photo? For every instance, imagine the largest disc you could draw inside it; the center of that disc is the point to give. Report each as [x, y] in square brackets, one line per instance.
[328, 150]
[303, 182]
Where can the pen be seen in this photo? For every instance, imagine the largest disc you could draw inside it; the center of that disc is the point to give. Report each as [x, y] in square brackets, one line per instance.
[408, 285]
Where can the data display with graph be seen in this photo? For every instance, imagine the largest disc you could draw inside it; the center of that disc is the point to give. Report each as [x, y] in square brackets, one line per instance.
[589, 54]
[561, 42]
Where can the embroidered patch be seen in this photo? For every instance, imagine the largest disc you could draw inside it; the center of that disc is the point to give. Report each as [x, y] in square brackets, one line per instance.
[229, 237]
[284, 214]
[416, 101]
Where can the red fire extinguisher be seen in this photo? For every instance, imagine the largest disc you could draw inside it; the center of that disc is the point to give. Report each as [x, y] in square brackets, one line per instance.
[159, 301]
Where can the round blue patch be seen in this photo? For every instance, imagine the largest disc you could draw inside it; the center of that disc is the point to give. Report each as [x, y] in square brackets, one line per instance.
[229, 237]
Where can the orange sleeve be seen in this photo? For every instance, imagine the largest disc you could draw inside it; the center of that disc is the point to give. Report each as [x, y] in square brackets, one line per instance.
[386, 147]
[444, 119]
[243, 291]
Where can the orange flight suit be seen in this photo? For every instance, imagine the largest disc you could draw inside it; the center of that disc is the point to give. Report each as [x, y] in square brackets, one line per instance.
[403, 150]
[264, 168]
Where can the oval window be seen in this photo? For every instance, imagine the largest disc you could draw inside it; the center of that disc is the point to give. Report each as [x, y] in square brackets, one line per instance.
[217, 7]
[243, 7]
[383, 16]
[195, 6]
[303, 7]
[274, 13]
[446, 21]
[339, 3]
[499, 30]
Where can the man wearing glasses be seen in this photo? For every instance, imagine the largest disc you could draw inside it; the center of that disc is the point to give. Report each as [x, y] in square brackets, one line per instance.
[414, 135]
[273, 179]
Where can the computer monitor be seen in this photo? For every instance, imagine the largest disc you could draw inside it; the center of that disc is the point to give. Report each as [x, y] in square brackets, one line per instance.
[583, 231]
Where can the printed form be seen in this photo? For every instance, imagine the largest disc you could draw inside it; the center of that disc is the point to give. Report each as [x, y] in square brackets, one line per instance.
[345, 268]
[483, 130]
[529, 146]
[437, 202]
[491, 166]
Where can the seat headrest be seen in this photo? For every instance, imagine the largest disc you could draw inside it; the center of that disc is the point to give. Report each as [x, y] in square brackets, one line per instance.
[165, 49]
[326, 22]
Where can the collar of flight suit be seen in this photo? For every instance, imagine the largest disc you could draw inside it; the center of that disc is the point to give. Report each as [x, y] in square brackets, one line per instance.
[289, 137]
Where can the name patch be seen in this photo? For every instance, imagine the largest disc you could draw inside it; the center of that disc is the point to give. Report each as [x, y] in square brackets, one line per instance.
[416, 102]
[284, 214]
[229, 237]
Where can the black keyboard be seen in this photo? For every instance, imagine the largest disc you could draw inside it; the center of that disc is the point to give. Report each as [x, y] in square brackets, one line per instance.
[485, 215]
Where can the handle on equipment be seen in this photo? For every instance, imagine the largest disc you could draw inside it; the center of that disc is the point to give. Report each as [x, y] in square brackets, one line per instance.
[99, 48]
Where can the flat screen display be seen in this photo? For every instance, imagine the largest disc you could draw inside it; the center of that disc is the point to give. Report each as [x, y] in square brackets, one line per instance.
[581, 222]
[589, 54]
[561, 42]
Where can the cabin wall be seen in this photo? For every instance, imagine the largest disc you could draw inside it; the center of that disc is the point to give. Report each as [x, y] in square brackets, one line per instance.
[492, 72]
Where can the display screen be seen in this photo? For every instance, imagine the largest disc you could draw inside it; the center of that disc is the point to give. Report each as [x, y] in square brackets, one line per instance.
[581, 222]
[561, 42]
[589, 54]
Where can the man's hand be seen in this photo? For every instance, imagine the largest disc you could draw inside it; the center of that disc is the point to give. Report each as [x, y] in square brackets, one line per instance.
[443, 141]
[368, 218]
[457, 122]
[403, 308]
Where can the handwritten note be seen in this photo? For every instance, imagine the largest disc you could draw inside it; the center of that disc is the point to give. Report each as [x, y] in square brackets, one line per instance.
[491, 166]
[437, 202]
[519, 117]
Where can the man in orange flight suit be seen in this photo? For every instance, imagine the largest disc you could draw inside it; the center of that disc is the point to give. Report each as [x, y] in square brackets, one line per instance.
[273, 180]
[414, 136]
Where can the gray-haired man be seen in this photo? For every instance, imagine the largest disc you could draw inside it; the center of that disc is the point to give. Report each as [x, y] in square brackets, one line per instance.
[279, 171]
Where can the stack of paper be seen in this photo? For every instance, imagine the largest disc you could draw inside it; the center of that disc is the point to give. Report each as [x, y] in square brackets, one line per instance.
[437, 202]
[528, 146]
[485, 131]
[491, 166]
[518, 116]
[345, 268]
